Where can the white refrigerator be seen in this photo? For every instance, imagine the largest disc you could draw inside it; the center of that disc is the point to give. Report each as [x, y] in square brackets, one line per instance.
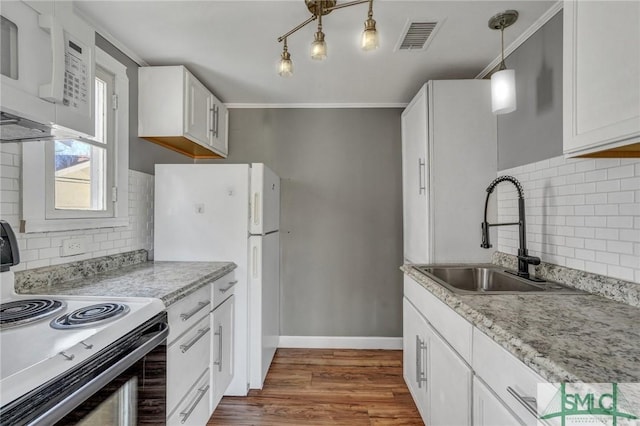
[228, 212]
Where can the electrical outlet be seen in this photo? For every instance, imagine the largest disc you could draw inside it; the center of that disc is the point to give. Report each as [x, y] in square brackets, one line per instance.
[72, 247]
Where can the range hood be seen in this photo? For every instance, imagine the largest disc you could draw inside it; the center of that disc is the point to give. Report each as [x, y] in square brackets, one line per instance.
[18, 129]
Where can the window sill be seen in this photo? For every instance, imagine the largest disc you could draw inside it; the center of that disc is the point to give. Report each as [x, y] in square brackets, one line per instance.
[53, 225]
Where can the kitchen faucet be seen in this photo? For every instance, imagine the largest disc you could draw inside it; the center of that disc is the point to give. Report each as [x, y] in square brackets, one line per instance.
[524, 260]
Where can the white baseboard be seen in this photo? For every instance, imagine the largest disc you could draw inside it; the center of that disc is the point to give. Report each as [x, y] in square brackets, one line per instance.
[340, 342]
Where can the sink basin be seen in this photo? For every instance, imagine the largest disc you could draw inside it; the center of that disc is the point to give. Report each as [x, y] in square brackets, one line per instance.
[484, 279]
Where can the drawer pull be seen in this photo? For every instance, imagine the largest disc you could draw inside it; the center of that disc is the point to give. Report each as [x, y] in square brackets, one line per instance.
[219, 362]
[420, 375]
[231, 284]
[201, 393]
[529, 402]
[195, 310]
[201, 333]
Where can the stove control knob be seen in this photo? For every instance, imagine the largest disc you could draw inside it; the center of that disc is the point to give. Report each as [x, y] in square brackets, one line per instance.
[85, 345]
[68, 357]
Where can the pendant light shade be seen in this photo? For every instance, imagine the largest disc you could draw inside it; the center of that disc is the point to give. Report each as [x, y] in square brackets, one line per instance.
[503, 81]
[286, 65]
[503, 91]
[319, 47]
[370, 35]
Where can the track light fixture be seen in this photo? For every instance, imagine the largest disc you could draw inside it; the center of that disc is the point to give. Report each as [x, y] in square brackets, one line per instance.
[503, 81]
[318, 9]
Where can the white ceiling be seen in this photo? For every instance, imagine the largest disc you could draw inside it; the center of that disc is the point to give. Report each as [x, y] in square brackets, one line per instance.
[231, 46]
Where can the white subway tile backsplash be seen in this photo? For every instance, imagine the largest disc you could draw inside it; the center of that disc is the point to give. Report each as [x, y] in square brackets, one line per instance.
[595, 176]
[620, 172]
[581, 213]
[43, 249]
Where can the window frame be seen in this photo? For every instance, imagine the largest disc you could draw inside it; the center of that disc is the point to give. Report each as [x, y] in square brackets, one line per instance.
[38, 178]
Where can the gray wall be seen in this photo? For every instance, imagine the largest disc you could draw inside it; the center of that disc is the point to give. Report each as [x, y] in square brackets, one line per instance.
[534, 131]
[143, 155]
[341, 216]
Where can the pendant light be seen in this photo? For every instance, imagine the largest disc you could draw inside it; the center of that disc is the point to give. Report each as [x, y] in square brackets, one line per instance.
[503, 81]
[370, 34]
[318, 9]
[286, 65]
[319, 46]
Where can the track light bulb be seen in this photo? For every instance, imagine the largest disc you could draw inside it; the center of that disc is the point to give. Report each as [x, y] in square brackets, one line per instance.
[286, 65]
[370, 35]
[319, 47]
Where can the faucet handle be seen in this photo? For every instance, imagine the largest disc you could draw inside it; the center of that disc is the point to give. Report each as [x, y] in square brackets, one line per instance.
[485, 236]
[531, 260]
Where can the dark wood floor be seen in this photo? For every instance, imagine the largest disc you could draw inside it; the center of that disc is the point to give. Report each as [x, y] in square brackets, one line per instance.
[326, 387]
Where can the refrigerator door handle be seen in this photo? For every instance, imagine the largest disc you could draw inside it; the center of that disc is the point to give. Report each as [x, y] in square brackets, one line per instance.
[254, 262]
[256, 208]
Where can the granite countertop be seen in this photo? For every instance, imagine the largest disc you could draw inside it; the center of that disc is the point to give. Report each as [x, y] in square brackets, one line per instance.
[167, 281]
[564, 338]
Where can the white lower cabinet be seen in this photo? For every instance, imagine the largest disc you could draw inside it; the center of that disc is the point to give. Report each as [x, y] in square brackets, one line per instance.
[222, 349]
[447, 380]
[488, 410]
[438, 379]
[189, 350]
[414, 329]
[200, 352]
[194, 408]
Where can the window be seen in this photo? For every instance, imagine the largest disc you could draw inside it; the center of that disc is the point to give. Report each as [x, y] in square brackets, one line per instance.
[82, 176]
[73, 183]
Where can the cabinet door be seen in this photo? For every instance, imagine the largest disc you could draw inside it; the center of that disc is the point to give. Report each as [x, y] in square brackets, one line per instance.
[197, 106]
[222, 349]
[488, 410]
[449, 381]
[600, 75]
[218, 126]
[415, 179]
[414, 356]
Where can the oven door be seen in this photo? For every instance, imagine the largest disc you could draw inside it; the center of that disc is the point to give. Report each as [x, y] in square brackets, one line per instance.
[124, 384]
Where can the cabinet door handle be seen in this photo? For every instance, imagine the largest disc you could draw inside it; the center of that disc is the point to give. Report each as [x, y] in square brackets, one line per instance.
[201, 393]
[226, 289]
[528, 402]
[216, 116]
[219, 362]
[201, 333]
[195, 310]
[420, 375]
[422, 187]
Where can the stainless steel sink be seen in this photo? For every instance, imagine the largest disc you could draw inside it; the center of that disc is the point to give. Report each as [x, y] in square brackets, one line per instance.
[485, 279]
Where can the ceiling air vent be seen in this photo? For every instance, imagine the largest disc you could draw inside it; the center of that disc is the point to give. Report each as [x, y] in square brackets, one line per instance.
[417, 35]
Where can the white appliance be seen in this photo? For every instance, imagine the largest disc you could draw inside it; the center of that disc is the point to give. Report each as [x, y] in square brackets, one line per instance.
[67, 357]
[47, 72]
[212, 212]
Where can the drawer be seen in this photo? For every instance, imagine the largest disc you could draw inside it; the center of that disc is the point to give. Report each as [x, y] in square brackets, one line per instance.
[501, 370]
[223, 287]
[187, 358]
[457, 331]
[194, 409]
[186, 312]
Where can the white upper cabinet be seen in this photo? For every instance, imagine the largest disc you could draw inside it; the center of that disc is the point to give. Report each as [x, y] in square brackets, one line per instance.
[449, 156]
[177, 111]
[601, 78]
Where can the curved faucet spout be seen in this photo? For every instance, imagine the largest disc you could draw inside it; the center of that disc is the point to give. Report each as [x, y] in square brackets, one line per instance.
[523, 257]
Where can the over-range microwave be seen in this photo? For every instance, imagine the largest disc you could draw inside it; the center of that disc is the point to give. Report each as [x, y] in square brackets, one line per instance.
[47, 71]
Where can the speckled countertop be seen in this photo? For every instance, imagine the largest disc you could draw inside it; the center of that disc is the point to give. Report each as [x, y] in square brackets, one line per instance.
[564, 338]
[167, 281]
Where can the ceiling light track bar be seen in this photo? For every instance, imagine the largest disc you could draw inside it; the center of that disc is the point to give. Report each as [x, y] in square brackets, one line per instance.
[318, 9]
[347, 4]
[302, 25]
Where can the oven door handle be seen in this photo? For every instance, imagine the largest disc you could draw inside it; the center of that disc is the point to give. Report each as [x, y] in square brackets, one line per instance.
[79, 396]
